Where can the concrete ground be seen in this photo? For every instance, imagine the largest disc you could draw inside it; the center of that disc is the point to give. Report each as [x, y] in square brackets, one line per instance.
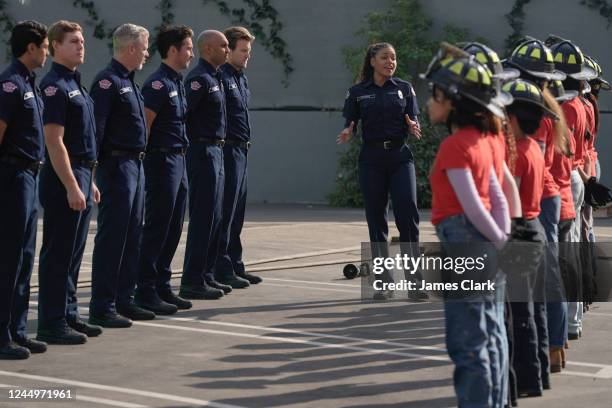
[303, 338]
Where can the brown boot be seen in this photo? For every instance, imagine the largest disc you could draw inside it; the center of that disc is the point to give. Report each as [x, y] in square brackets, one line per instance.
[556, 359]
[563, 360]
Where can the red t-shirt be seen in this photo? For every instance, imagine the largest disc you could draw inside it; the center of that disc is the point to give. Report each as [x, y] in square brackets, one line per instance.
[589, 110]
[469, 149]
[530, 168]
[498, 151]
[575, 116]
[561, 171]
[544, 136]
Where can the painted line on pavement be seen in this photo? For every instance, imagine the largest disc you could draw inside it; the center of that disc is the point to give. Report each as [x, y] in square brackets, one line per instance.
[123, 390]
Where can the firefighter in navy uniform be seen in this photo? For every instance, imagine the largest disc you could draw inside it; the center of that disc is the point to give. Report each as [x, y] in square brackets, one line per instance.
[121, 135]
[229, 267]
[388, 110]
[21, 154]
[67, 188]
[165, 172]
[206, 125]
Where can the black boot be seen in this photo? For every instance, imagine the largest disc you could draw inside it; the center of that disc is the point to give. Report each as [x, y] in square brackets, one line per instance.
[179, 302]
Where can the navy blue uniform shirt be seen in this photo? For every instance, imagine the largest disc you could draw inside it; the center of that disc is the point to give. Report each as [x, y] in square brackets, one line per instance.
[206, 115]
[382, 110]
[119, 110]
[237, 96]
[21, 107]
[164, 94]
[67, 104]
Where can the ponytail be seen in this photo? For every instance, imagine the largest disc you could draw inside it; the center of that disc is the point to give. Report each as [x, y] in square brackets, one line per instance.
[560, 131]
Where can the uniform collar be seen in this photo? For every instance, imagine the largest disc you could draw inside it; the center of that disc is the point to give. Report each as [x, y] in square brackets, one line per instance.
[370, 82]
[121, 70]
[170, 72]
[229, 68]
[65, 72]
[23, 70]
[207, 66]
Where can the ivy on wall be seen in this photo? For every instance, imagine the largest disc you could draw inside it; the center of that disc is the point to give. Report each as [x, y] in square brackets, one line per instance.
[100, 32]
[7, 23]
[165, 9]
[261, 14]
[602, 6]
[516, 20]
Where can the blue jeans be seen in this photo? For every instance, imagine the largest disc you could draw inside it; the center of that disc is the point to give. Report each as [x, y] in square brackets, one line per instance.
[475, 333]
[556, 307]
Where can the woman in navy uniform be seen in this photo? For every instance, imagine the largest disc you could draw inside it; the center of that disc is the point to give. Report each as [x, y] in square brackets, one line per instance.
[388, 110]
[21, 153]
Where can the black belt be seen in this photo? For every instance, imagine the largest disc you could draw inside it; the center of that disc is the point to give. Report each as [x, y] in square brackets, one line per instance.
[385, 144]
[236, 143]
[215, 142]
[170, 150]
[22, 162]
[124, 153]
[90, 164]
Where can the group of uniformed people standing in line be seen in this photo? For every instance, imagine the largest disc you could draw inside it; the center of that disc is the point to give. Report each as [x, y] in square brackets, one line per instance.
[519, 158]
[137, 154]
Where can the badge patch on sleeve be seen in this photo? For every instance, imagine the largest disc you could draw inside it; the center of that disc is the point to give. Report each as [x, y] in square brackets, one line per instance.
[195, 85]
[213, 89]
[173, 94]
[125, 90]
[74, 93]
[50, 90]
[105, 84]
[9, 87]
[157, 85]
[28, 95]
[400, 94]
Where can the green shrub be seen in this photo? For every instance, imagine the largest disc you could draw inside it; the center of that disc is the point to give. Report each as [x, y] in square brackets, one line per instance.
[407, 27]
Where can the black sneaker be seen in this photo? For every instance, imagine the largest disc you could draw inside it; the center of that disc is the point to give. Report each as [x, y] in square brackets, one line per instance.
[110, 320]
[90, 330]
[179, 302]
[34, 346]
[200, 292]
[13, 351]
[133, 312]
[253, 279]
[64, 335]
[234, 281]
[156, 305]
[210, 281]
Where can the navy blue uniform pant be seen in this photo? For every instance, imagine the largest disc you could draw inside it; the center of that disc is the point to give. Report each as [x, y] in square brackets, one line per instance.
[18, 221]
[206, 175]
[120, 214]
[64, 237]
[384, 173]
[165, 203]
[229, 259]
